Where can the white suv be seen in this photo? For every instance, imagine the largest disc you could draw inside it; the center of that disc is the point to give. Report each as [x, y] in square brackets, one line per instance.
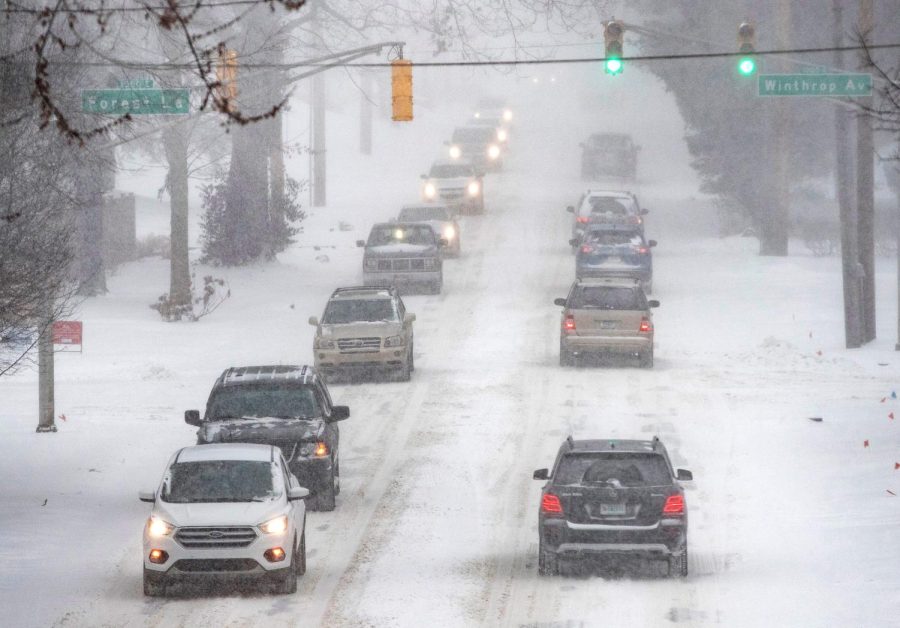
[225, 513]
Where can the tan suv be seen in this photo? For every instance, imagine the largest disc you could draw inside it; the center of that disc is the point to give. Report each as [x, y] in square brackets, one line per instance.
[606, 316]
[364, 330]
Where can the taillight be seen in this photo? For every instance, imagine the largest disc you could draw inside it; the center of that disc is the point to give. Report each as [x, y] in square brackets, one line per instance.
[646, 327]
[587, 249]
[550, 505]
[642, 250]
[569, 323]
[582, 219]
[674, 505]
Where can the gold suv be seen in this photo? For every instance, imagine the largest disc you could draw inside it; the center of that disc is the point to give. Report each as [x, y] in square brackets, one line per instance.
[364, 330]
[606, 316]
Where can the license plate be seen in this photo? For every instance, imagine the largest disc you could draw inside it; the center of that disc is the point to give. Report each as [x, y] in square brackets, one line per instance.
[612, 509]
[614, 259]
[607, 324]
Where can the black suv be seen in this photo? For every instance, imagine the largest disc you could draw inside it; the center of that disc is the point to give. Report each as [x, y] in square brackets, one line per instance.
[609, 498]
[286, 406]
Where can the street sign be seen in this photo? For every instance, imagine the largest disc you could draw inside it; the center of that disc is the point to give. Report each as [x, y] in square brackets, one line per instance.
[815, 85]
[66, 335]
[135, 101]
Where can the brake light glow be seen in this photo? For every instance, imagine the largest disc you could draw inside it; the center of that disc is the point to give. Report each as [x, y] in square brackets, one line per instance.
[587, 249]
[582, 220]
[550, 505]
[642, 250]
[569, 323]
[674, 505]
[645, 327]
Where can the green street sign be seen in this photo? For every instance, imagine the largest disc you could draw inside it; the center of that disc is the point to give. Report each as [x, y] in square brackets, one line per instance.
[135, 101]
[815, 85]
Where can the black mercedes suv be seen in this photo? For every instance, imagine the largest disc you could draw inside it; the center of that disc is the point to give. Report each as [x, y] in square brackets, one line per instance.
[609, 498]
[285, 406]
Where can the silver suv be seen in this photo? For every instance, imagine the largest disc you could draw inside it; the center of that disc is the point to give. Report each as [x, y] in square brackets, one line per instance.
[364, 330]
[403, 254]
[606, 316]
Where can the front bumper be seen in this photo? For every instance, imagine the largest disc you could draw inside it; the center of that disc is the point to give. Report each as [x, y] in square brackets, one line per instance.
[666, 538]
[607, 344]
[402, 279]
[332, 360]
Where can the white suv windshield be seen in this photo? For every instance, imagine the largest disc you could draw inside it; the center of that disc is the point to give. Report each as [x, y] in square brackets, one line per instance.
[360, 310]
[219, 481]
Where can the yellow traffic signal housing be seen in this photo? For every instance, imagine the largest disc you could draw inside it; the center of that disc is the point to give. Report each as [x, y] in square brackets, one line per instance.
[614, 36]
[226, 74]
[401, 90]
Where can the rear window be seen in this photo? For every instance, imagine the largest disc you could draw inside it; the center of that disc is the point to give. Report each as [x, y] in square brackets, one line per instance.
[607, 298]
[614, 238]
[414, 214]
[616, 206]
[401, 234]
[624, 469]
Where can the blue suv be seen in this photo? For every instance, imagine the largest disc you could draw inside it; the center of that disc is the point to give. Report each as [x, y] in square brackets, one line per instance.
[610, 250]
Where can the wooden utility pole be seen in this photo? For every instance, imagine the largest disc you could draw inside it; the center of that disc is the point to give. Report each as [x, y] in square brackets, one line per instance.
[865, 190]
[846, 204]
[318, 131]
[46, 404]
[777, 241]
[175, 142]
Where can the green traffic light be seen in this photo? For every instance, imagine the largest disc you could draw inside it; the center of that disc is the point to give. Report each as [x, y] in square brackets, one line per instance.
[747, 66]
[613, 66]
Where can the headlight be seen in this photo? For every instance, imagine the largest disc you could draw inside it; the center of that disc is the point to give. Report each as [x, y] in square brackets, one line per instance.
[477, 114]
[323, 343]
[493, 151]
[156, 527]
[278, 525]
[502, 135]
[507, 115]
[449, 232]
[394, 341]
[474, 188]
[430, 190]
[455, 152]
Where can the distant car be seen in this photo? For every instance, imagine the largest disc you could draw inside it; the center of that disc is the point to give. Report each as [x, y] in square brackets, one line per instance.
[610, 250]
[606, 316]
[493, 108]
[364, 330]
[403, 254]
[225, 513]
[609, 154]
[284, 405]
[606, 207]
[610, 498]
[442, 220]
[455, 184]
[498, 124]
[479, 145]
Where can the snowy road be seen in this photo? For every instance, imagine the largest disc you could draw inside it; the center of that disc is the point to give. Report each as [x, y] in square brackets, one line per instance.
[436, 521]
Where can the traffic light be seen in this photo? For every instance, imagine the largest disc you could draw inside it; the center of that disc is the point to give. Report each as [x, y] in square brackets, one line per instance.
[613, 33]
[747, 46]
[401, 90]
[226, 75]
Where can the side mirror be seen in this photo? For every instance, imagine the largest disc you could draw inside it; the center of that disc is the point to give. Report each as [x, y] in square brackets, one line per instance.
[339, 413]
[559, 302]
[651, 243]
[684, 475]
[644, 211]
[314, 321]
[570, 209]
[298, 492]
[653, 303]
[361, 244]
[147, 496]
[409, 318]
[192, 417]
[541, 474]
[573, 242]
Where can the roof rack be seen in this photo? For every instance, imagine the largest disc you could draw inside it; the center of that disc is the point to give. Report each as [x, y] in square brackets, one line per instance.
[656, 441]
[570, 440]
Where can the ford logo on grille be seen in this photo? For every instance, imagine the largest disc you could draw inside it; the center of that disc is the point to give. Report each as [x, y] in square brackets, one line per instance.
[216, 534]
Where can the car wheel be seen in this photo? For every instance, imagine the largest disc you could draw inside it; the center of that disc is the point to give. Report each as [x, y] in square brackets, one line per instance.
[325, 498]
[548, 562]
[565, 357]
[412, 359]
[678, 565]
[647, 359]
[301, 555]
[154, 586]
[404, 373]
[337, 477]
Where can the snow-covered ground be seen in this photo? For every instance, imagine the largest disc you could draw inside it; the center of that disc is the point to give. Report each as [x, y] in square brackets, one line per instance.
[792, 522]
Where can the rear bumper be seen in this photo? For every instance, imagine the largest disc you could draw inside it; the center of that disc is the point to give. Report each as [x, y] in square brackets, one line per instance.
[642, 274]
[313, 473]
[666, 538]
[607, 344]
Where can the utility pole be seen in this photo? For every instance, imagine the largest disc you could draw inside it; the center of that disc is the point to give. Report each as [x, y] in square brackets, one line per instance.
[892, 174]
[318, 136]
[777, 241]
[46, 405]
[847, 208]
[865, 190]
[365, 113]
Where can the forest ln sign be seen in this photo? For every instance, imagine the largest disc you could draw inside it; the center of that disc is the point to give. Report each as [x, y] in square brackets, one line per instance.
[135, 101]
[815, 85]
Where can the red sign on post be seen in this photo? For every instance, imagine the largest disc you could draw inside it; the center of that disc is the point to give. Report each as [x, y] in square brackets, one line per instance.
[67, 335]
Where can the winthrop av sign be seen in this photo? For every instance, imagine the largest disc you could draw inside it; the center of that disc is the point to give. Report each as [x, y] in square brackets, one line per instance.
[815, 85]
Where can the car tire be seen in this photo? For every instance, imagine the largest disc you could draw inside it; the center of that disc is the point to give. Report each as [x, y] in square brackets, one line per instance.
[337, 477]
[412, 359]
[647, 359]
[301, 555]
[404, 373]
[154, 586]
[287, 581]
[565, 357]
[325, 498]
[548, 561]
[678, 565]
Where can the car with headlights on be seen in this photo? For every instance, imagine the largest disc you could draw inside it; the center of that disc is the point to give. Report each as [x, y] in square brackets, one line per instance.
[364, 330]
[225, 515]
[479, 145]
[607, 500]
[493, 109]
[613, 250]
[605, 207]
[442, 220]
[283, 405]
[606, 316]
[455, 184]
[403, 254]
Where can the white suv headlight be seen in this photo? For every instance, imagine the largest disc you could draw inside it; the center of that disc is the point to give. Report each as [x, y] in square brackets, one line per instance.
[323, 343]
[278, 525]
[455, 152]
[157, 528]
[501, 135]
[430, 190]
[493, 151]
[394, 341]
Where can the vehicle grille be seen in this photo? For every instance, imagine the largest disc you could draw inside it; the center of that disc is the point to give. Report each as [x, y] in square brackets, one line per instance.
[401, 265]
[215, 564]
[215, 538]
[359, 345]
[452, 194]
